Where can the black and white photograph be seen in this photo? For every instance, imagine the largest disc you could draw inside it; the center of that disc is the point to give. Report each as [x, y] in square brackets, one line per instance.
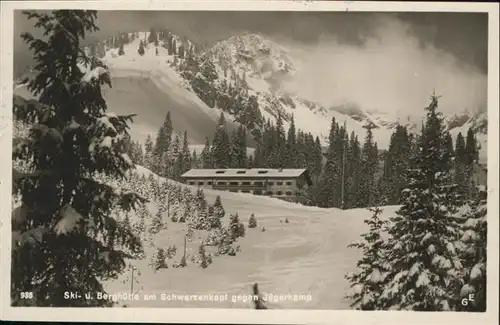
[260, 160]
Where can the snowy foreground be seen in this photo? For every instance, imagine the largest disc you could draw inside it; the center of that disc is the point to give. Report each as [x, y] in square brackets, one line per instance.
[307, 256]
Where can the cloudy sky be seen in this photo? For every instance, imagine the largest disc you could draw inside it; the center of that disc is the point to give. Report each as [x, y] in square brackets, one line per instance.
[370, 56]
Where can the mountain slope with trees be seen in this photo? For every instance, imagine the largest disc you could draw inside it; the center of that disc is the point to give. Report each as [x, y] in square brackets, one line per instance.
[242, 77]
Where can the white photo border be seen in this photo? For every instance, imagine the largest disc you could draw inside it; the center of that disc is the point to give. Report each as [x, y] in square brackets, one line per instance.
[246, 316]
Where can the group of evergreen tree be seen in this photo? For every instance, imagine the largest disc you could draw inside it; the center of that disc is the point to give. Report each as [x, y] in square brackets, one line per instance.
[463, 161]
[98, 49]
[177, 203]
[434, 255]
[225, 151]
[232, 96]
[348, 177]
[174, 46]
[165, 156]
[277, 148]
[466, 160]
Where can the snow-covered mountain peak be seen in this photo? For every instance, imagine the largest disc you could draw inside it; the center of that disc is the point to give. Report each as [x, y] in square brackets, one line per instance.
[255, 55]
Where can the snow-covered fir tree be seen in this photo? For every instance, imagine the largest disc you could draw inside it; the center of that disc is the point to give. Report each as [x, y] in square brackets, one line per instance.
[422, 262]
[213, 222]
[367, 281]
[215, 236]
[369, 164]
[64, 221]
[162, 144]
[461, 164]
[185, 160]
[143, 213]
[160, 260]
[172, 159]
[148, 153]
[141, 50]
[157, 223]
[472, 247]
[395, 165]
[206, 159]
[225, 241]
[471, 156]
[219, 211]
[220, 146]
[204, 262]
[252, 221]
[237, 229]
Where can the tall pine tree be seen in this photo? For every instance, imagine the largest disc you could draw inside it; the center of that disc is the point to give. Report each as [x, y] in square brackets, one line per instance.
[220, 146]
[368, 169]
[461, 165]
[148, 153]
[206, 155]
[292, 154]
[65, 239]
[327, 196]
[185, 161]
[396, 165]
[471, 158]
[423, 263]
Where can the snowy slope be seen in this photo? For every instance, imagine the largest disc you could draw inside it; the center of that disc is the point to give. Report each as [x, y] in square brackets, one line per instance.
[307, 255]
[154, 87]
[148, 86]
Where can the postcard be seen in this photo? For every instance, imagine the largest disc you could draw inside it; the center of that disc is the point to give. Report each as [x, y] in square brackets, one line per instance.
[257, 162]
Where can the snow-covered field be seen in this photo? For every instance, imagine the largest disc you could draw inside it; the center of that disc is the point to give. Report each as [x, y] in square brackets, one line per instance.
[308, 255]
